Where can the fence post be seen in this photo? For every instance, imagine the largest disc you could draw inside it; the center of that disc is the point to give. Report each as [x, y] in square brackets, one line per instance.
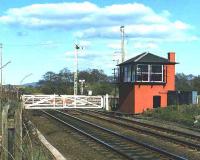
[107, 103]
[4, 155]
[102, 101]
[18, 133]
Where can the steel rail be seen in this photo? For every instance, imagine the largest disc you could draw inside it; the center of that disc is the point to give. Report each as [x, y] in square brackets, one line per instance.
[145, 145]
[90, 136]
[189, 144]
[148, 125]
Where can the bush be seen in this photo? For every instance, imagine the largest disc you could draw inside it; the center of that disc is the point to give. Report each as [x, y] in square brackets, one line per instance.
[183, 114]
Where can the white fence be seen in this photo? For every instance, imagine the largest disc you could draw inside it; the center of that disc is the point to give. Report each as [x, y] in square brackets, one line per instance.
[64, 101]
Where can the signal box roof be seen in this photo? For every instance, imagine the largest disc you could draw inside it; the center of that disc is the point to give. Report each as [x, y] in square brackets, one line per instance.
[147, 58]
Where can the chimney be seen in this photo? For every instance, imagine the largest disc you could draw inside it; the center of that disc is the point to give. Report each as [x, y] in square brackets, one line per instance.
[171, 56]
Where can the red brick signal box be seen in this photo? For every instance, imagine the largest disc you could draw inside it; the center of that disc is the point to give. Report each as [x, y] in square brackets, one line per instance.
[144, 82]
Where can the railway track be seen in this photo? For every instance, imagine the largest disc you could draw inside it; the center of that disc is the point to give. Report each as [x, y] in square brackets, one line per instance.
[125, 146]
[136, 121]
[143, 124]
[187, 140]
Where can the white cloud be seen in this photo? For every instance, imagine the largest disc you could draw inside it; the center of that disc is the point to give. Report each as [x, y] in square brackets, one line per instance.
[85, 44]
[126, 9]
[147, 45]
[90, 20]
[91, 59]
[87, 55]
[115, 45]
[165, 13]
[181, 25]
[53, 10]
[50, 44]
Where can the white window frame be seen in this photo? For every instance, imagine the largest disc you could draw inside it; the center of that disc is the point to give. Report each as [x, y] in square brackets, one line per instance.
[149, 73]
[157, 73]
[143, 72]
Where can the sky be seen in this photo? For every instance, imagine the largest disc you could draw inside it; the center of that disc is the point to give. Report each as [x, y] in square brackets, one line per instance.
[39, 36]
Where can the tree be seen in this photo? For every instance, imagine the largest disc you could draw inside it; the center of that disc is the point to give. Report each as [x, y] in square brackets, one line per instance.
[29, 90]
[102, 88]
[65, 75]
[187, 82]
[196, 84]
[49, 76]
[183, 82]
[93, 76]
[62, 82]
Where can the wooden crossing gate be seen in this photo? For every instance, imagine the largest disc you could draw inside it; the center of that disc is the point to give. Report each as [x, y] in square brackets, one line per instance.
[63, 101]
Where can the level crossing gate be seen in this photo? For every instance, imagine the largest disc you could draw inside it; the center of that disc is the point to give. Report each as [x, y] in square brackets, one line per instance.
[63, 101]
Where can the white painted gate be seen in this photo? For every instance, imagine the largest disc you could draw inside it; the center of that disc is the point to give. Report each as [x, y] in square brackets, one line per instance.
[62, 101]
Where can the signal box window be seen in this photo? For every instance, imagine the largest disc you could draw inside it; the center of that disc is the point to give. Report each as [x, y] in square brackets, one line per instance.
[149, 73]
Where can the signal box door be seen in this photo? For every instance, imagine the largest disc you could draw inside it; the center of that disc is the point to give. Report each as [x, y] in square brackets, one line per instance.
[156, 101]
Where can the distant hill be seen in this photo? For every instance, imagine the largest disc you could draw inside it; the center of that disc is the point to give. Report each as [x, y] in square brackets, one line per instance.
[32, 84]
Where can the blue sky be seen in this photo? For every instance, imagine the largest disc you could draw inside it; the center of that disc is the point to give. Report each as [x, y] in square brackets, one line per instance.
[39, 36]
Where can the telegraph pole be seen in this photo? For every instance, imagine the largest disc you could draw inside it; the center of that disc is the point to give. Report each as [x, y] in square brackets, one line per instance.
[77, 47]
[122, 44]
[1, 89]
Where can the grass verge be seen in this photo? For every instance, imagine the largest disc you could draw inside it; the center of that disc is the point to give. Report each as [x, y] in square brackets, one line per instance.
[182, 114]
